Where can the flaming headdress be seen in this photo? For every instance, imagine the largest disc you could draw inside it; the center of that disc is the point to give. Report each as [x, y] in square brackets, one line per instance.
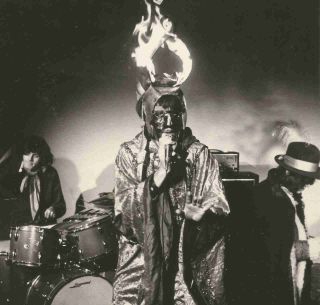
[151, 33]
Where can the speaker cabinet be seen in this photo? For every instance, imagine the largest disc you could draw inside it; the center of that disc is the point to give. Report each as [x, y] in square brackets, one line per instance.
[239, 189]
[239, 193]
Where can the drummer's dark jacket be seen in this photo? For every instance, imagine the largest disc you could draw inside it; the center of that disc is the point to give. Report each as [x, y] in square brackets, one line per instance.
[50, 196]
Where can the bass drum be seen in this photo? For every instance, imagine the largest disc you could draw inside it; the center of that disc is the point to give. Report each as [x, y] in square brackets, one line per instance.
[69, 287]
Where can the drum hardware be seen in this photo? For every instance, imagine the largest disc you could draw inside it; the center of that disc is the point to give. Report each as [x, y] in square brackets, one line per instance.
[16, 233]
[6, 255]
[65, 254]
[13, 254]
[80, 251]
[76, 285]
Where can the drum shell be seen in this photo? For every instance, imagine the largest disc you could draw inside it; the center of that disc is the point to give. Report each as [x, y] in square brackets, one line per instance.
[79, 285]
[89, 242]
[34, 246]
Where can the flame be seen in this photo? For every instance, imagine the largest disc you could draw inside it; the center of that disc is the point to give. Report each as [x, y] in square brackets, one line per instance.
[154, 32]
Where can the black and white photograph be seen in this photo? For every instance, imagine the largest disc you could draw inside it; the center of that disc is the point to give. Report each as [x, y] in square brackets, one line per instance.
[159, 152]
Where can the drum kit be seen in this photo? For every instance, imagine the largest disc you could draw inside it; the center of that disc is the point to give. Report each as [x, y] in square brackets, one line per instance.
[67, 263]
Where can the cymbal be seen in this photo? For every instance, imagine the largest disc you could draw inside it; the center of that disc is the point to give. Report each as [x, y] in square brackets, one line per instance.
[103, 199]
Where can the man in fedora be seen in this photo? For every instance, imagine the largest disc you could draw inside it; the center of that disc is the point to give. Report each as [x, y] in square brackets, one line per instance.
[281, 249]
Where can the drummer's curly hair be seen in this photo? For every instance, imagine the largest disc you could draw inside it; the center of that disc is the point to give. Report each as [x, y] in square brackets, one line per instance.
[38, 145]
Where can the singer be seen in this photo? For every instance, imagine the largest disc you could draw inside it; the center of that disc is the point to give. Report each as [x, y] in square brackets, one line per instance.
[170, 210]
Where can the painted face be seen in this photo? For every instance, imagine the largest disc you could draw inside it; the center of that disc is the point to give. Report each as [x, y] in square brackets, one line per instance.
[167, 120]
[31, 161]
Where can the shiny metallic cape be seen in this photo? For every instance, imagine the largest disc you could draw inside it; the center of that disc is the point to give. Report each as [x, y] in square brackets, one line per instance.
[205, 252]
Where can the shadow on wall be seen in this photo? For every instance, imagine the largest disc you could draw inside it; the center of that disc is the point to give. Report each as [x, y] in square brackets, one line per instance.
[69, 178]
[103, 179]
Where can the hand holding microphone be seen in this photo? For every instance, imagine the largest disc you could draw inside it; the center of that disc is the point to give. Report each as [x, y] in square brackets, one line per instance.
[167, 156]
[166, 150]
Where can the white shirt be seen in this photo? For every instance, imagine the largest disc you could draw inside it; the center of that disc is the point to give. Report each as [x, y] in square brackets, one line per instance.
[298, 268]
[302, 235]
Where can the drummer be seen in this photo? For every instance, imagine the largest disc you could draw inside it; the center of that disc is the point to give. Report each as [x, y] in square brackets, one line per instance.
[37, 185]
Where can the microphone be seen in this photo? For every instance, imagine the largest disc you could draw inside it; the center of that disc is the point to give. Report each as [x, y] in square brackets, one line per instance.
[168, 154]
[168, 140]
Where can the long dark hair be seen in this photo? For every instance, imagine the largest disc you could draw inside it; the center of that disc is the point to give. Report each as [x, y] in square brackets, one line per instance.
[281, 176]
[37, 144]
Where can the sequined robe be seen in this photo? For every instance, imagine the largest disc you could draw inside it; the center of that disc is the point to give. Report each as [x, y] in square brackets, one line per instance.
[206, 267]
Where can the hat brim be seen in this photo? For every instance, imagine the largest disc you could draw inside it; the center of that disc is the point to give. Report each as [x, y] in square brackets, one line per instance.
[280, 160]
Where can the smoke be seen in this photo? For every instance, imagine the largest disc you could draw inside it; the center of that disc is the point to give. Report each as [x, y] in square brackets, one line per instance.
[286, 132]
[258, 128]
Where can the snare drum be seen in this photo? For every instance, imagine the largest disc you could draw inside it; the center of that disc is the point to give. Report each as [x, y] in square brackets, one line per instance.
[34, 246]
[69, 287]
